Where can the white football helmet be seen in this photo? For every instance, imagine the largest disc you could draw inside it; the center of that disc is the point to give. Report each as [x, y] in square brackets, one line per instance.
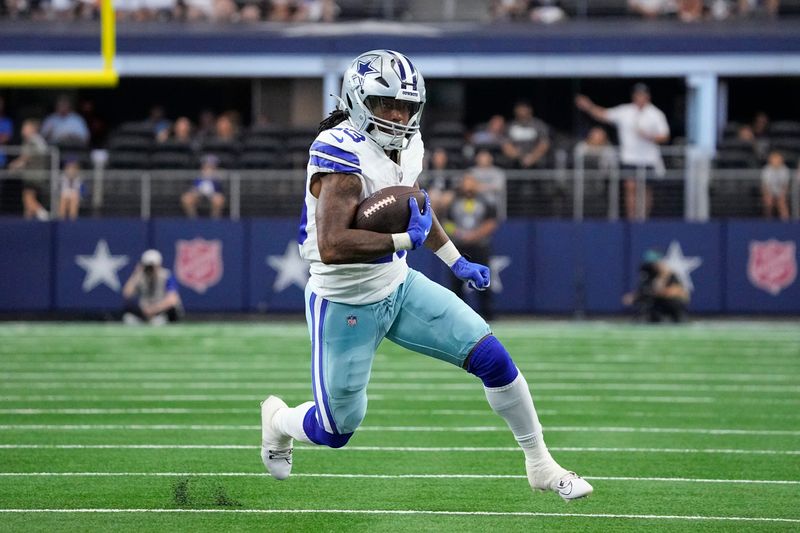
[375, 80]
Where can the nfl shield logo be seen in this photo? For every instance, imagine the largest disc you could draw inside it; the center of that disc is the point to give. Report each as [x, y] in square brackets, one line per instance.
[352, 321]
[772, 266]
[198, 263]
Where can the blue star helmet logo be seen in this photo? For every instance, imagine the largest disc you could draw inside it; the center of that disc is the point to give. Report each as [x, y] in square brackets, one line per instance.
[365, 67]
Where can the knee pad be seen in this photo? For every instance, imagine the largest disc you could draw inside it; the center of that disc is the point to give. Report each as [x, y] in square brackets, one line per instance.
[318, 435]
[491, 362]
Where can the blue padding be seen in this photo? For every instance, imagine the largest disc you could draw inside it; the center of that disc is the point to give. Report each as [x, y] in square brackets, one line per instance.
[317, 433]
[336, 152]
[491, 362]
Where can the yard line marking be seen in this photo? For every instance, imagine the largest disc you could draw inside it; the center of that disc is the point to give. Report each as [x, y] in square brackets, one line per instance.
[393, 476]
[418, 512]
[80, 377]
[377, 411]
[404, 429]
[429, 385]
[126, 411]
[452, 398]
[408, 449]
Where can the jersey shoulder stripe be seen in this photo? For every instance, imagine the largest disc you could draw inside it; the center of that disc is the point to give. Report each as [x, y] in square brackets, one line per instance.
[329, 151]
[330, 165]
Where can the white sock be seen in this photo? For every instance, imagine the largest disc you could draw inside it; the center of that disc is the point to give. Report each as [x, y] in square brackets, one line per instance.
[514, 403]
[289, 421]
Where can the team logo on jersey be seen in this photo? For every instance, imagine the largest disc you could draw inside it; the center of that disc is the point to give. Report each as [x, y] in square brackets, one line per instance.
[198, 263]
[772, 265]
[352, 320]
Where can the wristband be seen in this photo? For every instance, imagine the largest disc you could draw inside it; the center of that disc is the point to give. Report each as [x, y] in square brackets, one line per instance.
[402, 241]
[448, 253]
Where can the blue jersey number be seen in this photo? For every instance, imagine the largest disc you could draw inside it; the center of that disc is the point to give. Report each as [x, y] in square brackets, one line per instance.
[350, 132]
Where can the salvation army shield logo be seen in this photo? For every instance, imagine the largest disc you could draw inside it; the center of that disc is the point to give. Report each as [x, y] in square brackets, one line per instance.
[198, 263]
[772, 266]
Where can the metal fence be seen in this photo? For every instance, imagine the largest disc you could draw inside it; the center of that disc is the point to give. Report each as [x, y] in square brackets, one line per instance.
[576, 189]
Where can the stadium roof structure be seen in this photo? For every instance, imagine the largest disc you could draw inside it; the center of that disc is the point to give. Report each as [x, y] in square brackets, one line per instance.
[574, 48]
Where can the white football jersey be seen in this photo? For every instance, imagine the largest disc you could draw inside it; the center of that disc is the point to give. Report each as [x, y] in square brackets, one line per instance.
[345, 150]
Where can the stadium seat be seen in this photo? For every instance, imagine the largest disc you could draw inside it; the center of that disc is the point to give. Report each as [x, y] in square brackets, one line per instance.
[131, 160]
[447, 129]
[172, 160]
[258, 159]
[130, 143]
[785, 128]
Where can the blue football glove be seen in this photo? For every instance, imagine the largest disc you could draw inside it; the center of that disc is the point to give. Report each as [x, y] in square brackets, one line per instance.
[419, 224]
[477, 276]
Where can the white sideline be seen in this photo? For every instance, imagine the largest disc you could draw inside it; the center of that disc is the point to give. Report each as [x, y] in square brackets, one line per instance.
[410, 449]
[403, 429]
[417, 512]
[392, 476]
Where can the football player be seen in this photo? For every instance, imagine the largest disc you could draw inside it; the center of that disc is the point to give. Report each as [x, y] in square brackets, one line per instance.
[361, 290]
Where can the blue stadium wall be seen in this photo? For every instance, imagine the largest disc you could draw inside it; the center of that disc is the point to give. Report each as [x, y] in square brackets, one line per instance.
[736, 267]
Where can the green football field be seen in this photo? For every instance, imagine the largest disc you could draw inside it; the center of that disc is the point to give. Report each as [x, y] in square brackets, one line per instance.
[106, 428]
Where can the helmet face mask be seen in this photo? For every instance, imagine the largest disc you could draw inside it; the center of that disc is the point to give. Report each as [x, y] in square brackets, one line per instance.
[380, 83]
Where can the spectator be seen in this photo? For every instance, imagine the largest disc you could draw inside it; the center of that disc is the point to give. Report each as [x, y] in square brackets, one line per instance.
[651, 9]
[749, 8]
[472, 220]
[529, 137]
[71, 190]
[64, 126]
[641, 127]
[491, 180]
[758, 146]
[547, 12]
[438, 180]
[775, 178]
[151, 293]
[509, 9]
[32, 162]
[659, 294]
[180, 132]
[316, 11]
[225, 129]
[690, 10]
[760, 125]
[206, 124]
[207, 187]
[597, 150]
[6, 131]
[157, 120]
[493, 135]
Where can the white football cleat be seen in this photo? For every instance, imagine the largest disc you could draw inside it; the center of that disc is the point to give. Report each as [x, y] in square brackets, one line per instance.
[568, 485]
[276, 449]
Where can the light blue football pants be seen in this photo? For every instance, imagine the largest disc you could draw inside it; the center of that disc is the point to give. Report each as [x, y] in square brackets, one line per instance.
[420, 315]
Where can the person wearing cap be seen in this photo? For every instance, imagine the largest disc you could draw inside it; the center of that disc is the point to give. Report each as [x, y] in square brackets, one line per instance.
[208, 187]
[659, 294]
[151, 293]
[641, 127]
[71, 190]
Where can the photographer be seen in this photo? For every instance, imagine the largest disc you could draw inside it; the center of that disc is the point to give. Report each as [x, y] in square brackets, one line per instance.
[659, 294]
[157, 292]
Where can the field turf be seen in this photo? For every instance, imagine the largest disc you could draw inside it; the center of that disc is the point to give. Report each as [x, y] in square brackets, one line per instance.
[106, 428]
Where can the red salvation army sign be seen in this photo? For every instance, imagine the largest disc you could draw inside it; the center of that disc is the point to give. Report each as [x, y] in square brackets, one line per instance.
[198, 263]
[772, 265]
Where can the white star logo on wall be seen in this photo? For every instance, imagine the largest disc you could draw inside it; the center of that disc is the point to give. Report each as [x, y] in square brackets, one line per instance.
[101, 267]
[290, 267]
[497, 263]
[681, 265]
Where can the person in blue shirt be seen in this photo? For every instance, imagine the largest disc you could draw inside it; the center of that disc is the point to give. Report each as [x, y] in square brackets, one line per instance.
[206, 187]
[6, 131]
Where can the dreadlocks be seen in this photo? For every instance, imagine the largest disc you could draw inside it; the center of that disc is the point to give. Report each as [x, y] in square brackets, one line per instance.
[334, 119]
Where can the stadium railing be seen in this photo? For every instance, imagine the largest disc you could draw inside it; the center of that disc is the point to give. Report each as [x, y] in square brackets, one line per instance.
[577, 191]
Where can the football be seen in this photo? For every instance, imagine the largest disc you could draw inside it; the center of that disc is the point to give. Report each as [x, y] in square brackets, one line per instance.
[387, 210]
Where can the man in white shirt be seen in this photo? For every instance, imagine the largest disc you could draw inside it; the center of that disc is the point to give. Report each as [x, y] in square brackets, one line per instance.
[641, 127]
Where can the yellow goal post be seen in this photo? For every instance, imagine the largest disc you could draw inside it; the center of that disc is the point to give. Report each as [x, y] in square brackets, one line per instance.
[103, 77]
